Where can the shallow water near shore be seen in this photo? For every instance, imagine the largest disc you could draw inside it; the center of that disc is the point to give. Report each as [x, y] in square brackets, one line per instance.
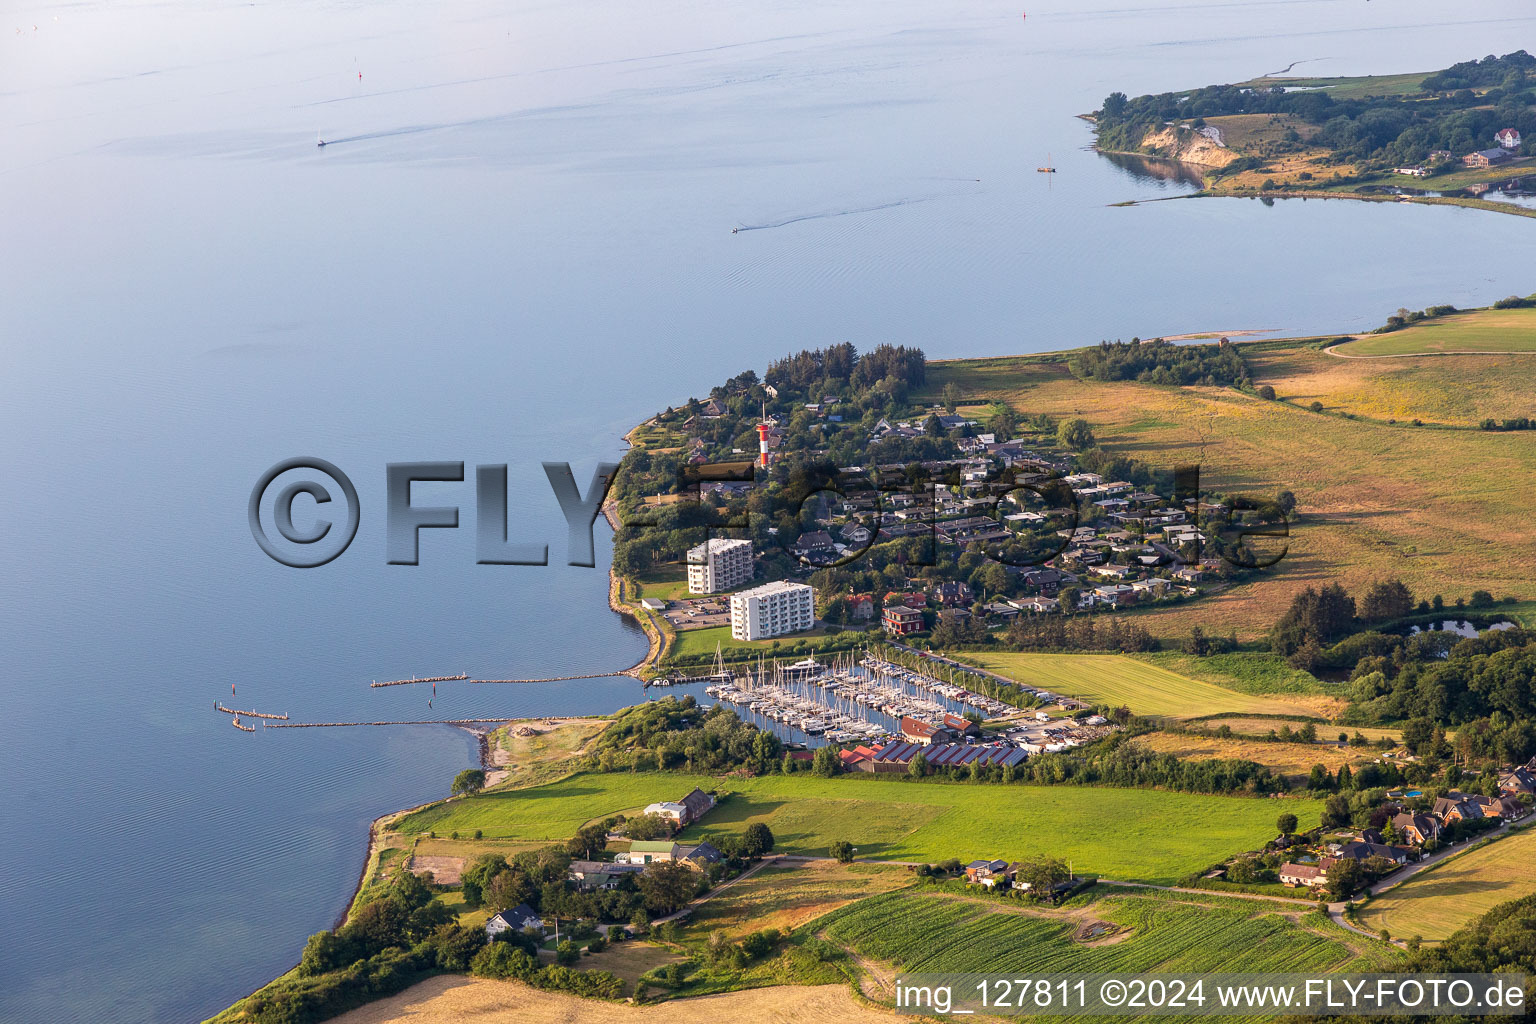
[515, 245]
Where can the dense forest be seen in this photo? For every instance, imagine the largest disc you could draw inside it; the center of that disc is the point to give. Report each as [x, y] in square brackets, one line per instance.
[1457, 109]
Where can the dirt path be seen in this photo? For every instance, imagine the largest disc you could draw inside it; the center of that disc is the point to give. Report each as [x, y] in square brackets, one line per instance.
[1332, 350]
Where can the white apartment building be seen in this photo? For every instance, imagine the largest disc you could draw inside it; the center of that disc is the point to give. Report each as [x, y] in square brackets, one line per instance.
[719, 564]
[772, 610]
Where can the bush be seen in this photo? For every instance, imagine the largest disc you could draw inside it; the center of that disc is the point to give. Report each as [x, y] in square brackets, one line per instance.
[1316, 406]
[1267, 393]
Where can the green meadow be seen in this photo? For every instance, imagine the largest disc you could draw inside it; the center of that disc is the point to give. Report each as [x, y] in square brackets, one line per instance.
[1131, 834]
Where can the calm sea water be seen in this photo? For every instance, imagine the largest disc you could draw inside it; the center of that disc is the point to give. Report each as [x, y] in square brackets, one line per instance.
[517, 245]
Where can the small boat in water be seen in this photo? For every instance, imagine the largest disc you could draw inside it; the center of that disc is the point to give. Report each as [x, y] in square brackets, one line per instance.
[1048, 168]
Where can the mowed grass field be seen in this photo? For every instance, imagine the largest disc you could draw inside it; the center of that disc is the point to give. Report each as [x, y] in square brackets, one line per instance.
[1376, 501]
[1132, 834]
[787, 896]
[1483, 330]
[1445, 898]
[1145, 688]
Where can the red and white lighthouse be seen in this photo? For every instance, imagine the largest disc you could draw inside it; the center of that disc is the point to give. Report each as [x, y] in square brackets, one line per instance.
[762, 443]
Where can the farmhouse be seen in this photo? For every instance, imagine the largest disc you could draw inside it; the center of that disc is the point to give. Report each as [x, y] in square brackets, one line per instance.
[519, 919]
[1302, 874]
[1365, 851]
[987, 872]
[673, 812]
[701, 857]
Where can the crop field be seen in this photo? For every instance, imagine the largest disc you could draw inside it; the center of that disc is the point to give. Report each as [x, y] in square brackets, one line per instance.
[1451, 390]
[1289, 759]
[1445, 898]
[927, 931]
[1145, 688]
[1483, 330]
[1138, 834]
[1375, 501]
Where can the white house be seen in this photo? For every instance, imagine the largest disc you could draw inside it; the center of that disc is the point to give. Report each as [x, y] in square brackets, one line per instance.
[518, 919]
[1509, 138]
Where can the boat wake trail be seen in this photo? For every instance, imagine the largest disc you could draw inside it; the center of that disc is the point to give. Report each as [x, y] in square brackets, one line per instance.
[388, 133]
[849, 212]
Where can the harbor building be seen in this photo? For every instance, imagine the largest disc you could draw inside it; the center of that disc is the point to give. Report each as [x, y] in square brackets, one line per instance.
[719, 564]
[772, 610]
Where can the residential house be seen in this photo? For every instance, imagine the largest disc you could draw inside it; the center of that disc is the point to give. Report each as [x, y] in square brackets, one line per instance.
[900, 620]
[1454, 806]
[1505, 805]
[861, 606]
[701, 857]
[1521, 780]
[815, 545]
[955, 593]
[1302, 874]
[517, 920]
[1507, 138]
[1365, 851]
[1417, 829]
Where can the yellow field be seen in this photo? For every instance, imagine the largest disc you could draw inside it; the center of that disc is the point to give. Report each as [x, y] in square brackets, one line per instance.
[1402, 389]
[1144, 688]
[1290, 759]
[1377, 501]
[1453, 894]
[453, 999]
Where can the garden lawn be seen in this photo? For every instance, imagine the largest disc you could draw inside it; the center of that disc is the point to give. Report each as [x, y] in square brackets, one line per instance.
[1132, 834]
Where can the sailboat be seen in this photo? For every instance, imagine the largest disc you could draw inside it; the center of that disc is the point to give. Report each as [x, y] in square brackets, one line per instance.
[1047, 169]
[318, 140]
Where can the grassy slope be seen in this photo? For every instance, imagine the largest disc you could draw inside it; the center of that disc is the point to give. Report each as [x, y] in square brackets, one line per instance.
[1356, 87]
[1144, 835]
[1146, 688]
[1449, 896]
[1377, 500]
[1485, 330]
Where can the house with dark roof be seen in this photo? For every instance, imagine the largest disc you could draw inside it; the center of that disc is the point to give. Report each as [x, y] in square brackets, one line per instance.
[1365, 851]
[1521, 780]
[1417, 829]
[701, 857]
[696, 805]
[963, 727]
[597, 874]
[517, 920]
[1505, 805]
[1454, 806]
